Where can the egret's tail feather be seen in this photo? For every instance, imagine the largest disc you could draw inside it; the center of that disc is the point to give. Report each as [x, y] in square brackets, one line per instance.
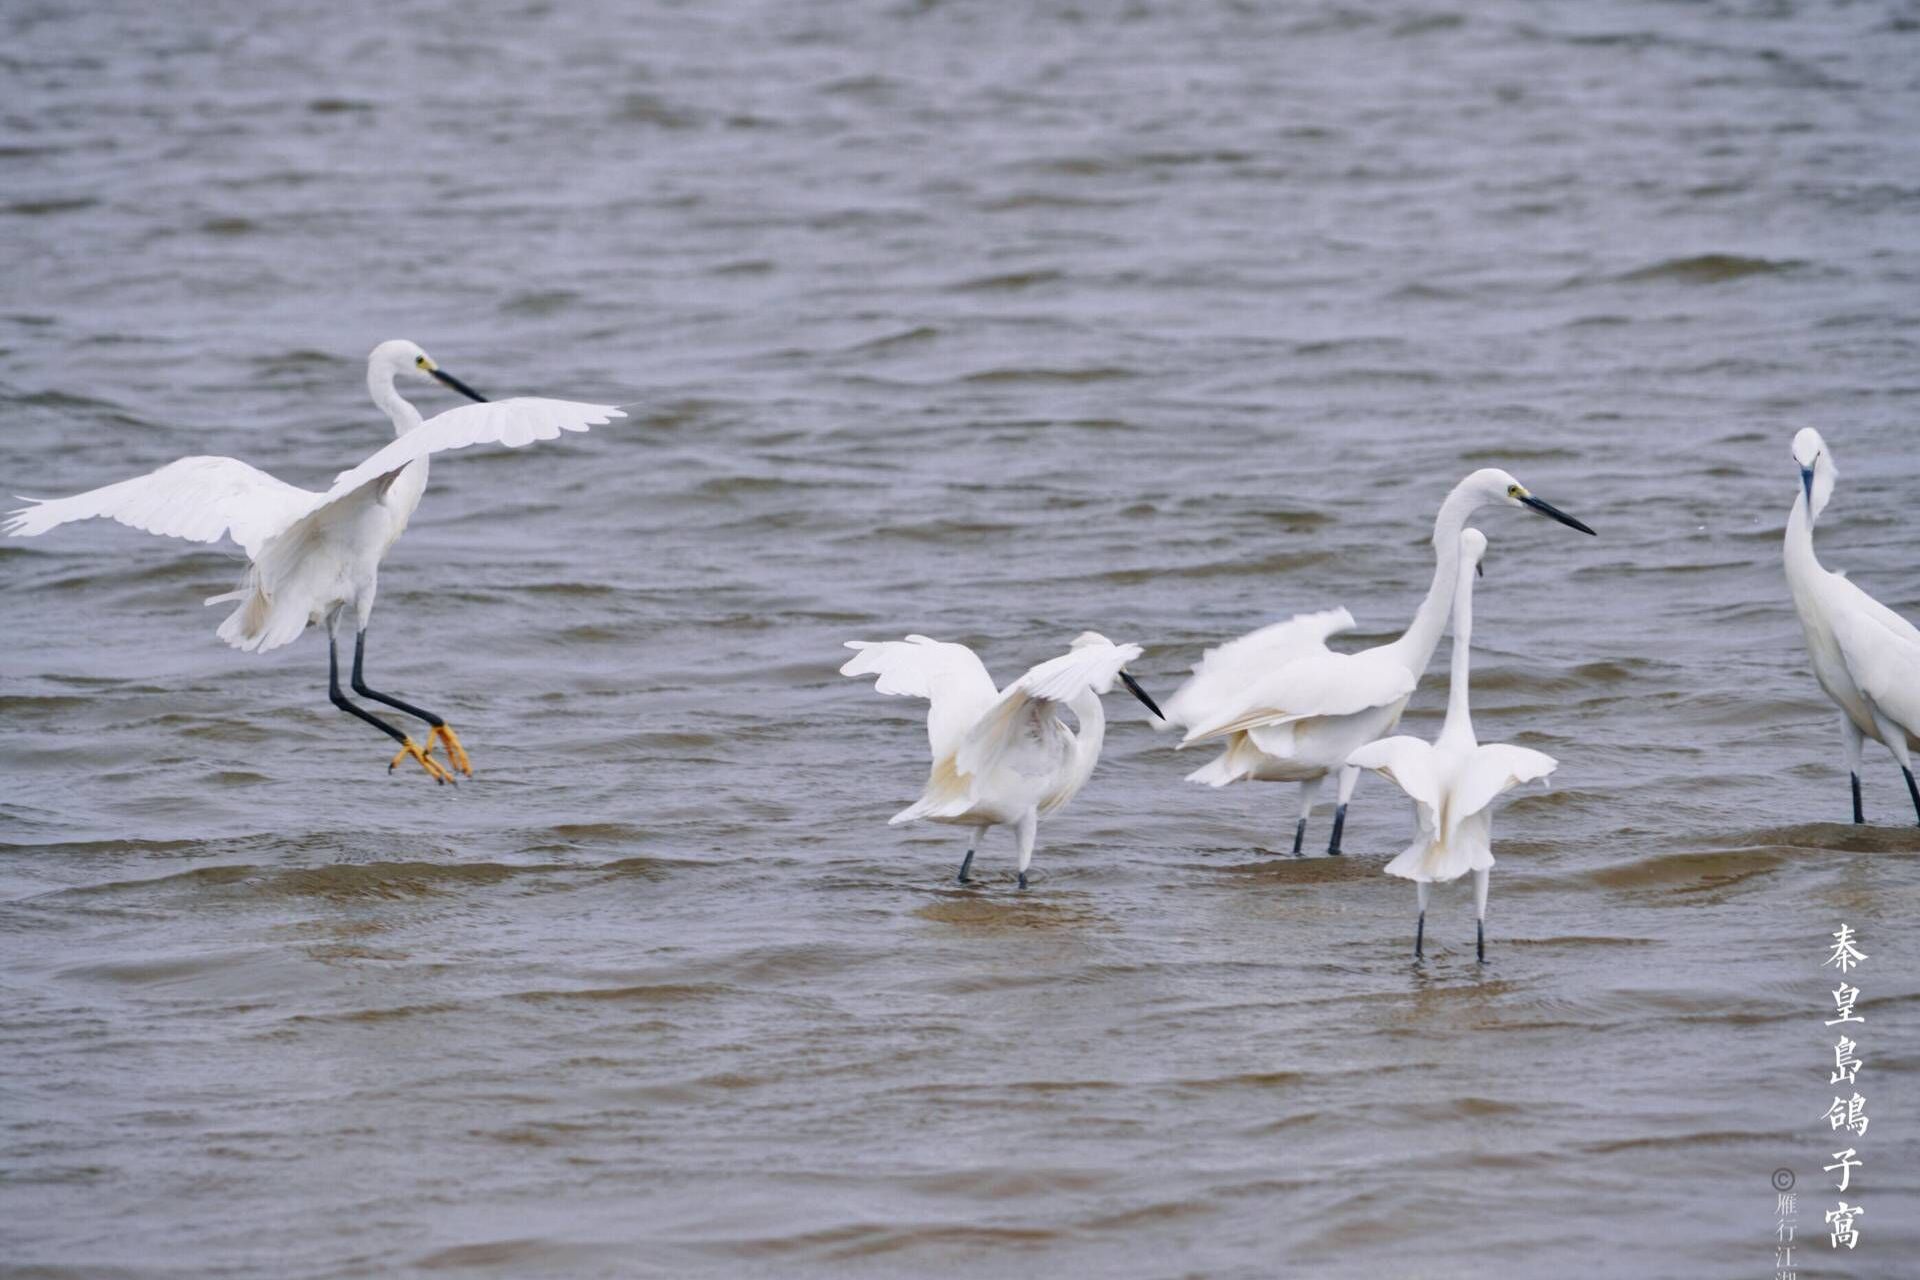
[1429, 858]
[947, 795]
[288, 578]
[1238, 761]
[257, 626]
[242, 627]
[931, 806]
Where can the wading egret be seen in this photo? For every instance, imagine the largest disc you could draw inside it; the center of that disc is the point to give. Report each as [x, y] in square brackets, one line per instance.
[1454, 781]
[315, 557]
[1866, 656]
[1293, 710]
[1001, 758]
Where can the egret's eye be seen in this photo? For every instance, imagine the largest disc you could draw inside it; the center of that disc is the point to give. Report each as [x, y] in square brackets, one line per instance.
[420, 360]
[1513, 491]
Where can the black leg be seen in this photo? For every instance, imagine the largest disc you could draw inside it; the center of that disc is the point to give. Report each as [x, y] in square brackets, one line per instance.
[1480, 941]
[1859, 817]
[1911, 789]
[360, 686]
[1299, 834]
[339, 699]
[1023, 879]
[966, 865]
[1339, 824]
[1419, 934]
[441, 732]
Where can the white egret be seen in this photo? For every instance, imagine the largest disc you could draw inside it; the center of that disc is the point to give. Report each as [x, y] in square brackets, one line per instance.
[315, 557]
[1001, 758]
[1866, 656]
[1293, 710]
[1455, 780]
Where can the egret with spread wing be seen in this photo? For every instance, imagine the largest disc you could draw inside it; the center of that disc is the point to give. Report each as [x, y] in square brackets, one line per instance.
[1454, 780]
[1865, 656]
[1001, 758]
[315, 557]
[1293, 710]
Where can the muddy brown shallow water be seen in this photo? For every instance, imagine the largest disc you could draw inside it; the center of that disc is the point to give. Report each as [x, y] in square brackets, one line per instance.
[1161, 320]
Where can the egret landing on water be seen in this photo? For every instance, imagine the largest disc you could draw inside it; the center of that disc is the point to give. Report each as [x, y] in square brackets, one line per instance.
[1866, 656]
[316, 556]
[1455, 781]
[1293, 710]
[1001, 758]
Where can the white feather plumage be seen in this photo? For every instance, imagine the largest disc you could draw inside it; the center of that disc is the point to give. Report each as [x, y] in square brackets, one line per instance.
[1453, 780]
[1000, 758]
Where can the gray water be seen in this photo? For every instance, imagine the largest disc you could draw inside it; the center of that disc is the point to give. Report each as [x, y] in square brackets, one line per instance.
[995, 323]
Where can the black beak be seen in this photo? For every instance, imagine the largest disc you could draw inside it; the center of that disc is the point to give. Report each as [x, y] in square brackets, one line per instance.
[1554, 513]
[457, 385]
[1133, 687]
[1806, 482]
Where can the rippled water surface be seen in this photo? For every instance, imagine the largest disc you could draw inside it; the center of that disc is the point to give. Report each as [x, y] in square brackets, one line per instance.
[996, 323]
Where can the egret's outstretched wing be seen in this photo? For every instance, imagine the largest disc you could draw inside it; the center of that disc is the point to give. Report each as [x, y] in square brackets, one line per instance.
[200, 499]
[1406, 762]
[1318, 684]
[1021, 730]
[1491, 771]
[1223, 676]
[1881, 650]
[950, 676]
[513, 423]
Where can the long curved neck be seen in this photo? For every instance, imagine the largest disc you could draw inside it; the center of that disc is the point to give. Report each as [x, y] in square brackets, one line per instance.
[1415, 647]
[1092, 715]
[1802, 565]
[1459, 721]
[403, 415]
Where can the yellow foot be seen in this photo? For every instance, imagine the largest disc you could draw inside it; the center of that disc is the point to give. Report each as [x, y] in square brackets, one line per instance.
[427, 762]
[456, 754]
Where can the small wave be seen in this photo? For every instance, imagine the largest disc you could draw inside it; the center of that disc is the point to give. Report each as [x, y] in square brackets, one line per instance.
[1261, 566]
[1837, 837]
[1051, 200]
[998, 377]
[1683, 873]
[1426, 24]
[525, 1256]
[1519, 454]
[372, 1017]
[340, 881]
[581, 590]
[642, 993]
[994, 912]
[874, 1239]
[917, 336]
[1274, 865]
[1710, 268]
[1008, 282]
[540, 302]
[48, 207]
[1246, 1080]
[1681, 1141]
[1004, 1183]
[639, 107]
[941, 531]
